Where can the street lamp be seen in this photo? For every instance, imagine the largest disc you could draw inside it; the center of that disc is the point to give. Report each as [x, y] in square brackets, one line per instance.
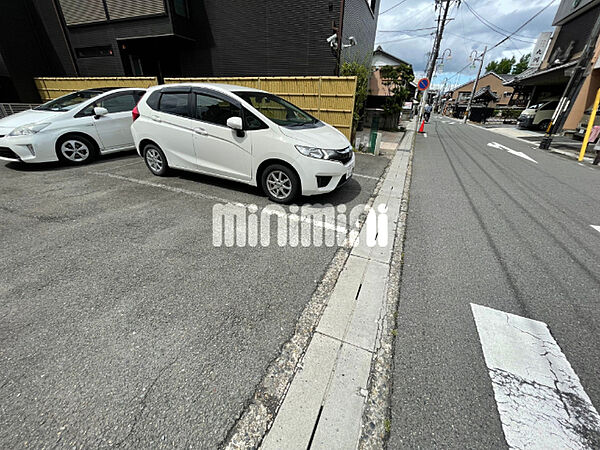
[473, 59]
[440, 65]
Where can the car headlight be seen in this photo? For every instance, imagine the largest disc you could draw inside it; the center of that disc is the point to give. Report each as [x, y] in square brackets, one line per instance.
[31, 128]
[315, 152]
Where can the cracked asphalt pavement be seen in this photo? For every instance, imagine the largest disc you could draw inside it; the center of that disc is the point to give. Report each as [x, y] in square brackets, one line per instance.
[489, 227]
[120, 323]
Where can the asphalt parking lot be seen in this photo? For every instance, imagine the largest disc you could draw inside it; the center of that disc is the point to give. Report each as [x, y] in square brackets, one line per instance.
[120, 322]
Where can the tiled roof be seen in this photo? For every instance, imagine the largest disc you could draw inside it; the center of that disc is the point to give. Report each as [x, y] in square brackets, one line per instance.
[483, 91]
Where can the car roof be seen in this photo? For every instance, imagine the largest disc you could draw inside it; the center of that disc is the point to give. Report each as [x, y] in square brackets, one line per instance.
[102, 90]
[216, 86]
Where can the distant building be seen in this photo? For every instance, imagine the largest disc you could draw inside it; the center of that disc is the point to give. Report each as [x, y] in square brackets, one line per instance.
[491, 83]
[377, 89]
[181, 38]
[379, 92]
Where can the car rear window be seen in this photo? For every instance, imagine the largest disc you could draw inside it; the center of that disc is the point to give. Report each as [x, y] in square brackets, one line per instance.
[174, 103]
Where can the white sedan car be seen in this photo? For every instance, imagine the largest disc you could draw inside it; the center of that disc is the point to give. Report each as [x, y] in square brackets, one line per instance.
[241, 134]
[74, 128]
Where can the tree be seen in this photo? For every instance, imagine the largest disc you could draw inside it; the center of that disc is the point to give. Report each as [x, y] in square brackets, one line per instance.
[395, 79]
[502, 66]
[521, 66]
[362, 74]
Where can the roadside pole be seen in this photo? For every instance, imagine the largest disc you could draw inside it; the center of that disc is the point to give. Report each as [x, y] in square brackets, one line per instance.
[482, 57]
[437, 99]
[590, 126]
[434, 54]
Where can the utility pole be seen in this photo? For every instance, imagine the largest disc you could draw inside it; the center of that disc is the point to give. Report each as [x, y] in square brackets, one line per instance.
[468, 111]
[581, 70]
[437, 99]
[436, 49]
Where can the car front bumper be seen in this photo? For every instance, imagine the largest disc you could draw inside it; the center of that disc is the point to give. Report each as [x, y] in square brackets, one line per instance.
[30, 148]
[319, 176]
[524, 122]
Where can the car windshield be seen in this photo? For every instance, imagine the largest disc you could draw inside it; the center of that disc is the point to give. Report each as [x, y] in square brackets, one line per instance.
[67, 102]
[277, 109]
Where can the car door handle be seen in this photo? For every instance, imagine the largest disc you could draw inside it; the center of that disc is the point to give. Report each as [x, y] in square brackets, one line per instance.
[201, 131]
[156, 119]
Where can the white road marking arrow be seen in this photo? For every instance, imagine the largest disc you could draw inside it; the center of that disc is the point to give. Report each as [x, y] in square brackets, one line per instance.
[510, 150]
[596, 227]
[541, 401]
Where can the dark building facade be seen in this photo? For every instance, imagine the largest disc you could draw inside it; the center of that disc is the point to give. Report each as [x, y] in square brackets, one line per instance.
[32, 43]
[186, 38]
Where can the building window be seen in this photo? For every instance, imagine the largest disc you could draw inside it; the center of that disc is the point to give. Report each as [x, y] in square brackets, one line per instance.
[94, 52]
[181, 8]
[127, 9]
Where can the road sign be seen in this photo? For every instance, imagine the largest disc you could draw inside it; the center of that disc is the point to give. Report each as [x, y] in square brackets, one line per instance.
[423, 84]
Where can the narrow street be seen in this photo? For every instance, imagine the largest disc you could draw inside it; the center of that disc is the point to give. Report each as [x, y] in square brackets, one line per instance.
[496, 223]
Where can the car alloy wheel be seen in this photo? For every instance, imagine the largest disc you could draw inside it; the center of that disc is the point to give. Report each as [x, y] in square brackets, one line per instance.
[279, 184]
[154, 160]
[75, 150]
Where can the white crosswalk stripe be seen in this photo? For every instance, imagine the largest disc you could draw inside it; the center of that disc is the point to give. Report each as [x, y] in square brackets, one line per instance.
[541, 401]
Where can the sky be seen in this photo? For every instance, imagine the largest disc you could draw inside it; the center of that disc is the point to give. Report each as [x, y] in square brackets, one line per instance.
[400, 33]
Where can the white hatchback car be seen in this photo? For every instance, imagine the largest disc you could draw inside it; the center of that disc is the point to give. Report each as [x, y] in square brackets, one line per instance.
[241, 134]
[74, 128]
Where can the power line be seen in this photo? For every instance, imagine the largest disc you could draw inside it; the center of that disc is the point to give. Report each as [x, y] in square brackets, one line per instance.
[389, 9]
[467, 38]
[405, 39]
[412, 17]
[404, 31]
[522, 26]
[496, 28]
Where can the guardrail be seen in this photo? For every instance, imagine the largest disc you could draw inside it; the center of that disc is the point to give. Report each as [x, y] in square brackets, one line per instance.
[7, 109]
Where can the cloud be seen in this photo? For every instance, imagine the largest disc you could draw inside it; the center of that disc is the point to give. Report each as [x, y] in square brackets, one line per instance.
[401, 32]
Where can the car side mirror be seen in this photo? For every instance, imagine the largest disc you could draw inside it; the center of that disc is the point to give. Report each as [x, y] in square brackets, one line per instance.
[99, 112]
[235, 123]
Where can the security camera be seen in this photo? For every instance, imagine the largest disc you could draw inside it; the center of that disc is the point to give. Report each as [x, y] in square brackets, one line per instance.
[331, 39]
[352, 41]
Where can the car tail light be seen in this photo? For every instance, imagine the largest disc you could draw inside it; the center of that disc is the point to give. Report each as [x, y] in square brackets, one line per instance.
[135, 113]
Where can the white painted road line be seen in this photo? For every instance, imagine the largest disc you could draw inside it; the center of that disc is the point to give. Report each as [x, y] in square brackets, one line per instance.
[541, 401]
[596, 227]
[511, 151]
[352, 234]
[168, 188]
[368, 177]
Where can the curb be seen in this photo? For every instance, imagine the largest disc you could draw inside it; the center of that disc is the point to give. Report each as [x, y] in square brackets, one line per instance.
[376, 420]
